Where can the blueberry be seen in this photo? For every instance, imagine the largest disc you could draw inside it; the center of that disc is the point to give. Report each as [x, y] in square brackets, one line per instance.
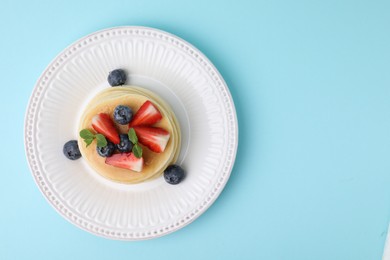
[173, 174]
[123, 114]
[107, 150]
[124, 145]
[117, 77]
[71, 150]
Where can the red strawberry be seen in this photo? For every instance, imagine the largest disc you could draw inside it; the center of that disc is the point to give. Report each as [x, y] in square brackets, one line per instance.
[103, 124]
[147, 114]
[126, 161]
[154, 138]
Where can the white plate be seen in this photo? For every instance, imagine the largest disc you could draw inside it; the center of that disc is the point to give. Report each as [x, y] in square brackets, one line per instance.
[180, 74]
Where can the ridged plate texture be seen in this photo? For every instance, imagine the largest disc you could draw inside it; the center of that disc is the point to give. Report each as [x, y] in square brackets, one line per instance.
[183, 77]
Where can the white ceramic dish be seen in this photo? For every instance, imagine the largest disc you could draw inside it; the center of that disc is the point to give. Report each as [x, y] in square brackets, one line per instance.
[173, 69]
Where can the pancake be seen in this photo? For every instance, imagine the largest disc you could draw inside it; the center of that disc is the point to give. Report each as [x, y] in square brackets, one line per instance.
[154, 163]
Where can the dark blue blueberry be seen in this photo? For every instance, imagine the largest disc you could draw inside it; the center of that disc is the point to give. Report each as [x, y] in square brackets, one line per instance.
[124, 145]
[123, 114]
[117, 77]
[173, 174]
[107, 150]
[71, 150]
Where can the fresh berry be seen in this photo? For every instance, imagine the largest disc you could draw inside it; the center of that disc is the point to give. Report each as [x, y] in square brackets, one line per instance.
[147, 114]
[107, 150]
[155, 138]
[173, 174]
[71, 150]
[103, 124]
[126, 161]
[117, 77]
[123, 114]
[124, 145]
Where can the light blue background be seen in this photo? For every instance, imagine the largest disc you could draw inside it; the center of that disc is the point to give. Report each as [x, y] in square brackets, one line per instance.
[311, 83]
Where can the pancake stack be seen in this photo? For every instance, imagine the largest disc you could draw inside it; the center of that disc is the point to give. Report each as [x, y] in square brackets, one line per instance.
[133, 97]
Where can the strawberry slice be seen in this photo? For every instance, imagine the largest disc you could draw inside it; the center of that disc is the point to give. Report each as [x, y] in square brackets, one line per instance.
[126, 161]
[155, 138]
[103, 124]
[147, 114]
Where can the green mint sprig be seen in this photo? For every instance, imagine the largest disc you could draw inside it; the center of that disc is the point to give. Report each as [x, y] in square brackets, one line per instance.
[137, 150]
[88, 137]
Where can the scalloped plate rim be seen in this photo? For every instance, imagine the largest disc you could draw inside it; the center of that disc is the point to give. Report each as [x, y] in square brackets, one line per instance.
[208, 203]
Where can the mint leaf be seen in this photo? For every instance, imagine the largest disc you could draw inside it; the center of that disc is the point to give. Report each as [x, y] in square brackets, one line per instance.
[88, 141]
[86, 134]
[137, 151]
[88, 137]
[133, 136]
[101, 140]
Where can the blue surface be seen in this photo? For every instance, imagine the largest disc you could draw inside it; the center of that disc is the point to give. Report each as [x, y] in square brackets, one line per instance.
[311, 83]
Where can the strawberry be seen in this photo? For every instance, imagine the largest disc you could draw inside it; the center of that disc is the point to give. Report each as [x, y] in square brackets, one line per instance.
[103, 124]
[154, 138]
[126, 161]
[147, 114]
